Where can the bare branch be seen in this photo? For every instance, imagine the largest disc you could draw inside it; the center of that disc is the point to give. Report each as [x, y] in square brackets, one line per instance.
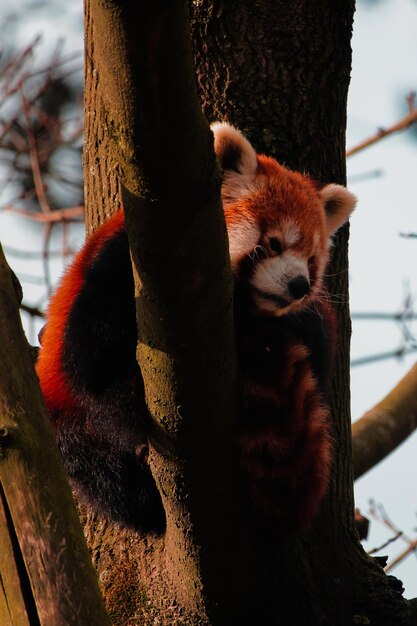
[365, 176]
[402, 124]
[46, 239]
[409, 235]
[34, 157]
[386, 425]
[401, 556]
[44, 561]
[378, 512]
[397, 317]
[382, 356]
[32, 130]
[69, 214]
[386, 543]
[33, 311]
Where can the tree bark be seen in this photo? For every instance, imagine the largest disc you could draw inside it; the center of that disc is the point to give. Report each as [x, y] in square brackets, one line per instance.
[386, 425]
[46, 576]
[280, 72]
[184, 290]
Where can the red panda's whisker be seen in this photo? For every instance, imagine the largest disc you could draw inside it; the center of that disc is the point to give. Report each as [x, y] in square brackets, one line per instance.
[255, 254]
[336, 273]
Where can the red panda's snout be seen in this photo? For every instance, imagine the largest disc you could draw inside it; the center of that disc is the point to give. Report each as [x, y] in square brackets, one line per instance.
[299, 287]
[283, 283]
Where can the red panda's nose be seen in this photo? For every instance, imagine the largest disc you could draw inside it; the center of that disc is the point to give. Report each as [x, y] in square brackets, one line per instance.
[299, 287]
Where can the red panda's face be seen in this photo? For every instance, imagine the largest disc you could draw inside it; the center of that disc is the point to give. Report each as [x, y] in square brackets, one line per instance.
[279, 225]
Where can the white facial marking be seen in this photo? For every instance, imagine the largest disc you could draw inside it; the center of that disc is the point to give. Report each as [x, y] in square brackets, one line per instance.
[243, 238]
[271, 278]
[291, 233]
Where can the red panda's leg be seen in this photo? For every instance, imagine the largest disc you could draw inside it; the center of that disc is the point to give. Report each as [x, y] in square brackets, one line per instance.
[286, 445]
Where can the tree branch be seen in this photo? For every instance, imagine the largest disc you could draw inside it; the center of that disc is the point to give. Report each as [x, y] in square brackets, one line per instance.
[45, 568]
[402, 124]
[386, 425]
[382, 356]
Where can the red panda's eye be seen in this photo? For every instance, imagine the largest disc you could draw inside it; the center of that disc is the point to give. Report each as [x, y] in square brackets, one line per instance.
[275, 245]
[312, 260]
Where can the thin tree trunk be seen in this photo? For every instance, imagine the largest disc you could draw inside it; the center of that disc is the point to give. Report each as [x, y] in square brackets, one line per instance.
[176, 225]
[46, 576]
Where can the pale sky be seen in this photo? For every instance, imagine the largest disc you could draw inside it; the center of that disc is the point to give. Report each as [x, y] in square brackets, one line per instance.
[381, 263]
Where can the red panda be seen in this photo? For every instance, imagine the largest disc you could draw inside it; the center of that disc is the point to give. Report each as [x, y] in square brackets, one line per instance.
[279, 224]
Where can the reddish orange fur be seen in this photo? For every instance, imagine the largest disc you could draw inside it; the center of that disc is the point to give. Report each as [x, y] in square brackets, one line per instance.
[54, 382]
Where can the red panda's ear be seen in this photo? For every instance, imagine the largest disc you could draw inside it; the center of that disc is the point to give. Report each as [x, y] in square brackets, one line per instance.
[233, 150]
[338, 204]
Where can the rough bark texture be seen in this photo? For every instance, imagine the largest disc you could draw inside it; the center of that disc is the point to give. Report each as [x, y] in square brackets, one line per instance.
[280, 72]
[184, 300]
[386, 425]
[46, 576]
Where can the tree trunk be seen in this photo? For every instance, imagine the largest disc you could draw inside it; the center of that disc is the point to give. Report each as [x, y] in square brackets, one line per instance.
[280, 72]
[46, 576]
[184, 291]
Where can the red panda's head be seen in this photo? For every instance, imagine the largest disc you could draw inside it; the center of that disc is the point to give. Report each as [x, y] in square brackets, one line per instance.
[279, 224]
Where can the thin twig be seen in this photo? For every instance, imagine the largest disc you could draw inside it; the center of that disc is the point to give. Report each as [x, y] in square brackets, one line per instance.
[34, 157]
[409, 235]
[398, 317]
[382, 356]
[386, 543]
[380, 515]
[400, 557]
[404, 123]
[68, 214]
[46, 239]
[16, 64]
[32, 310]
